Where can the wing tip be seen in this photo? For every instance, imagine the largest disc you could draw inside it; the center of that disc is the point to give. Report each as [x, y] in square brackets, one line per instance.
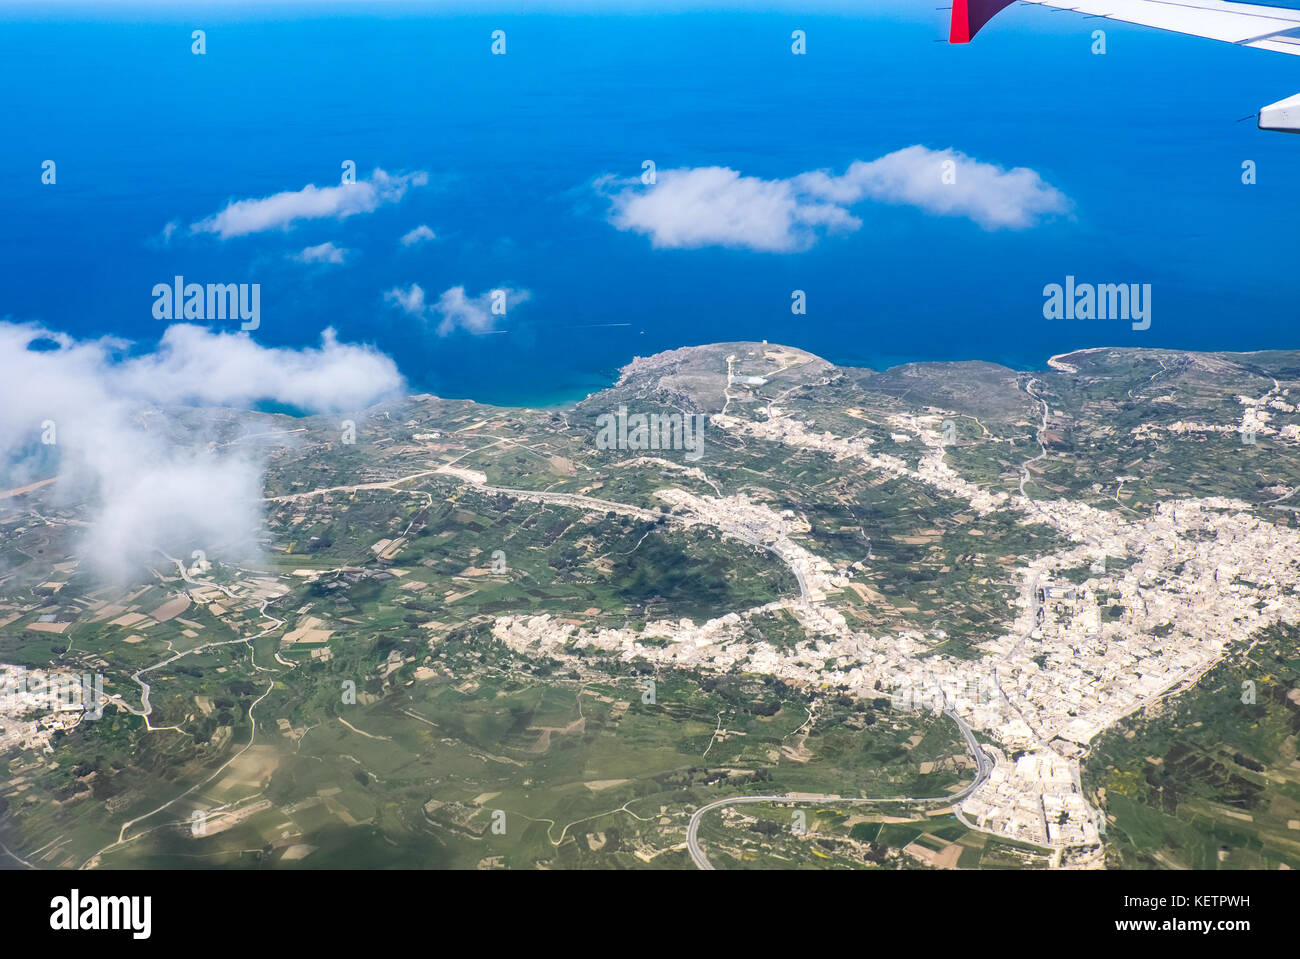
[969, 17]
[959, 30]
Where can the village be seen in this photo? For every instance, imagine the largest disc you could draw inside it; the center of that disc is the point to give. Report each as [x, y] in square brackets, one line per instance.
[1161, 597]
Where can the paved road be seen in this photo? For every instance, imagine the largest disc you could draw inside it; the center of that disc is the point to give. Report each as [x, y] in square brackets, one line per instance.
[983, 764]
[579, 501]
[1024, 467]
[146, 709]
[572, 500]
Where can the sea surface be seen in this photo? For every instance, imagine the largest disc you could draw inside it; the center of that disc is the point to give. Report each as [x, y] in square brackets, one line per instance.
[1144, 140]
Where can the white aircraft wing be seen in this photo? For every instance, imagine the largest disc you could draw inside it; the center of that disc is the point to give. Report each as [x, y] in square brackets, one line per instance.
[1245, 24]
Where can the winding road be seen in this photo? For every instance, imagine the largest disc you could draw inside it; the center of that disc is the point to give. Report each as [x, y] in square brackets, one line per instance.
[983, 764]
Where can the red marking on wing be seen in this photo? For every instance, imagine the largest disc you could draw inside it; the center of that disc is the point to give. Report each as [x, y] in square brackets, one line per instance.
[969, 16]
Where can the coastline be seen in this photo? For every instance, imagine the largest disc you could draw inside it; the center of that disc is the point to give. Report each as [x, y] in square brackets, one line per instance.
[568, 397]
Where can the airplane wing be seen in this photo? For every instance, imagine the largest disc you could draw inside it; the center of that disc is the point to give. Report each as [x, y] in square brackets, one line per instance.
[1245, 24]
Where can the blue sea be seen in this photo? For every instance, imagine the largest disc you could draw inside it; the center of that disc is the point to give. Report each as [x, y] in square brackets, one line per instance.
[1145, 141]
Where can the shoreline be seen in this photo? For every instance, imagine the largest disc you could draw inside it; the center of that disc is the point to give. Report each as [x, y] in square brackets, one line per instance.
[566, 399]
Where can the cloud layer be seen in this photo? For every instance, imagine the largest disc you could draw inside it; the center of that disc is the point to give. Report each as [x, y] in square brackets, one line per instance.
[150, 481]
[282, 210]
[717, 206]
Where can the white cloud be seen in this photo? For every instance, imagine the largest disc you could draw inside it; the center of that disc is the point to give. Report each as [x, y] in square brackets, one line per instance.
[420, 234]
[197, 367]
[717, 206]
[409, 301]
[945, 183]
[281, 210]
[456, 310]
[474, 314]
[322, 253]
[124, 446]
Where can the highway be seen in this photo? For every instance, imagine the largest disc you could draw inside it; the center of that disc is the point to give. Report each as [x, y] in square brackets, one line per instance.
[983, 764]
